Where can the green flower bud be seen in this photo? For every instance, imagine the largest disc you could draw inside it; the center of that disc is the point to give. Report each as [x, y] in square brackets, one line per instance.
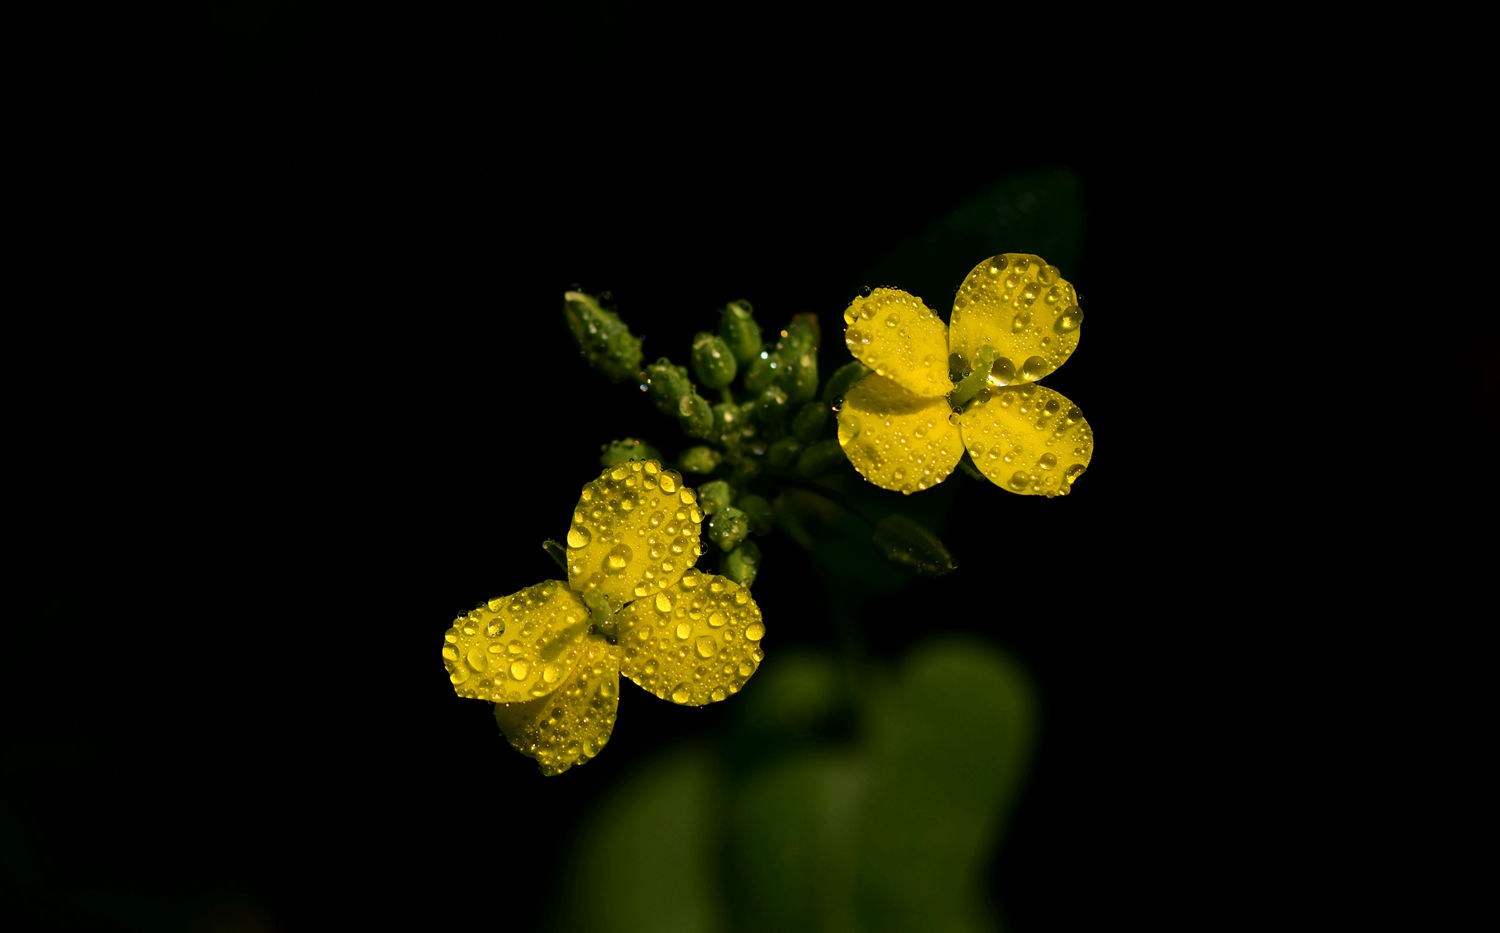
[715, 495]
[783, 453]
[745, 472]
[729, 423]
[667, 385]
[810, 420]
[695, 416]
[800, 336]
[713, 361]
[628, 449]
[760, 373]
[820, 458]
[700, 459]
[842, 378]
[728, 527]
[758, 510]
[771, 407]
[907, 544]
[738, 328]
[602, 336]
[799, 376]
[741, 564]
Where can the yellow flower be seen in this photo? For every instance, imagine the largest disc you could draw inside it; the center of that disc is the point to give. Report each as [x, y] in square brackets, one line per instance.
[938, 389]
[679, 633]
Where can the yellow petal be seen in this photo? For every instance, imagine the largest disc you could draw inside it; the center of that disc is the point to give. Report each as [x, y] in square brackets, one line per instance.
[895, 439]
[569, 725]
[1028, 439]
[693, 643]
[1022, 308]
[899, 337]
[517, 647]
[634, 532]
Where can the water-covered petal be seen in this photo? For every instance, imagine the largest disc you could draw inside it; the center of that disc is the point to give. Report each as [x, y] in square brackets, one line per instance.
[897, 440]
[634, 532]
[569, 725]
[1023, 310]
[899, 337]
[1028, 439]
[693, 643]
[516, 648]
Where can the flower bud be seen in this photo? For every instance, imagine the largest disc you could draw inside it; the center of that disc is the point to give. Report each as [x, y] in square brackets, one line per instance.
[602, 336]
[728, 527]
[820, 458]
[810, 420]
[695, 416]
[667, 385]
[715, 495]
[758, 510]
[740, 332]
[713, 361]
[783, 453]
[699, 459]
[741, 564]
[627, 449]
[842, 378]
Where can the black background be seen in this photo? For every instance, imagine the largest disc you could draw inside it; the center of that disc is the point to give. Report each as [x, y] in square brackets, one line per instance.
[304, 391]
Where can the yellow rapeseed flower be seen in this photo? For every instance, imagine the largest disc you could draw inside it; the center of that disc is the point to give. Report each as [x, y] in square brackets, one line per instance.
[679, 633]
[938, 389]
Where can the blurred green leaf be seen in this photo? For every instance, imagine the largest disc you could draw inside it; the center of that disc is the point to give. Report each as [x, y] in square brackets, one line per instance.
[646, 858]
[1038, 213]
[792, 828]
[950, 744]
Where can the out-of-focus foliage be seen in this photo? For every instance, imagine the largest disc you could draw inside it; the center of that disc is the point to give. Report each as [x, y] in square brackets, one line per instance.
[886, 828]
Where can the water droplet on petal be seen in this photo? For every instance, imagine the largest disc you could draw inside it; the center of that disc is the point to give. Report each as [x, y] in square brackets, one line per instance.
[1002, 372]
[1034, 368]
[519, 670]
[578, 536]
[706, 647]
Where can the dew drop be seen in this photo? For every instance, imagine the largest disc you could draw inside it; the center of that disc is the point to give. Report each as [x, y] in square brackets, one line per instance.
[1073, 472]
[1069, 320]
[668, 484]
[718, 694]
[663, 602]
[519, 670]
[755, 631]
[706, 647]
[1019, 480]
[684, 630]
[1034, 368]
[1047, 461]
[578, 536]
[450, 653]
[619, 557]
[681, 695]
[478, 660]
[1002, 372]
[458, 675]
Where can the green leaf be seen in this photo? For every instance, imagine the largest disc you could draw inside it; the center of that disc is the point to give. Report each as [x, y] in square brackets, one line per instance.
[911, 546]
[950, 746]
[645, 861]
